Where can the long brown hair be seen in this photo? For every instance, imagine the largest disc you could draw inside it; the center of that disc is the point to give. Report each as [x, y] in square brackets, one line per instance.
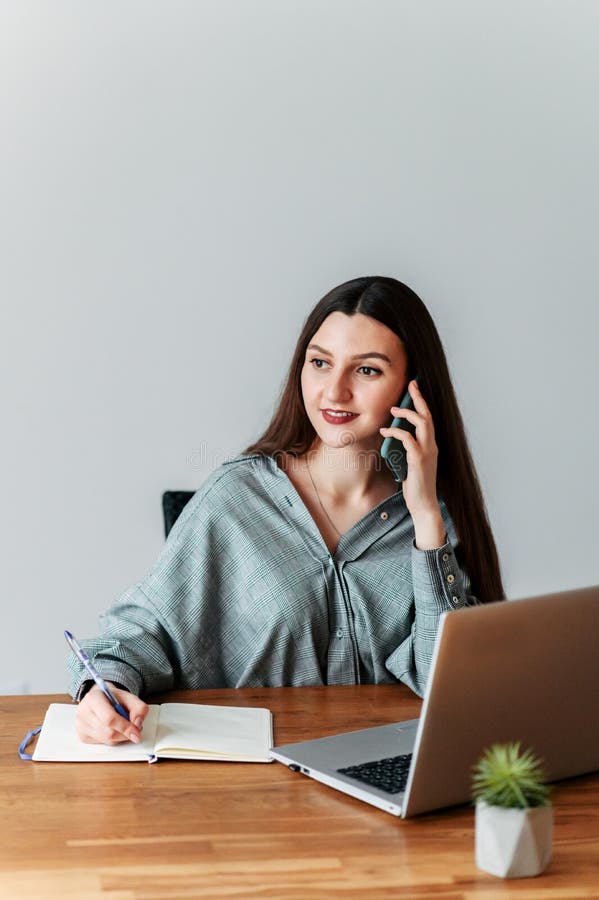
[395, 305]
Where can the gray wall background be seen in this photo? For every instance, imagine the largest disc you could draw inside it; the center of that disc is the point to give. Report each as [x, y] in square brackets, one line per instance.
[181, 181]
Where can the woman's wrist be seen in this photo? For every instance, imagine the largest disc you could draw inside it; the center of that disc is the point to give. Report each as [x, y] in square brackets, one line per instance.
[429, 530]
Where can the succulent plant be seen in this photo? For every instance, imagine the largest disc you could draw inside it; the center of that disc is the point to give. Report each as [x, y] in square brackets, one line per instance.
[509, 777]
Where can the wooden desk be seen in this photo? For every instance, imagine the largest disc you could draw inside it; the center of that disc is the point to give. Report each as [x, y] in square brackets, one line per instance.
[131, 831]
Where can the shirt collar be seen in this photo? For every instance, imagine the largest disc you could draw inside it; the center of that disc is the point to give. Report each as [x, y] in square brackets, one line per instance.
[370, 528]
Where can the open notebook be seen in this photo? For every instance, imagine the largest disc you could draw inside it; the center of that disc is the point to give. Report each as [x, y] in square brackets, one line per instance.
[171, 730]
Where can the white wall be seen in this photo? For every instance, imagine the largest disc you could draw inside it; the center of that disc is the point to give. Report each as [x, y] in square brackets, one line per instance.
[181, 181]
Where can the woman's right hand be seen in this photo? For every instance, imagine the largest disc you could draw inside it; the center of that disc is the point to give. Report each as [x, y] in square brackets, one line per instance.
[97, 722]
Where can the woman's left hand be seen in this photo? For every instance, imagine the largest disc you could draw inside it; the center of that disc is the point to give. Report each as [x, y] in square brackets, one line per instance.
[420, 486]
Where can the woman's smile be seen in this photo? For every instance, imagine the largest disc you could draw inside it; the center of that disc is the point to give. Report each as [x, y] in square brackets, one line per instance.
[338, 416]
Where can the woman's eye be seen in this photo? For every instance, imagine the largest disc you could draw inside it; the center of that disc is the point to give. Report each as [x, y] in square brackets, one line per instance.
[318, 363]
[370, 370]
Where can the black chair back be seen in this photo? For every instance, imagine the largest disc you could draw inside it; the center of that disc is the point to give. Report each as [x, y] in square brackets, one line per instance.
[173, 503]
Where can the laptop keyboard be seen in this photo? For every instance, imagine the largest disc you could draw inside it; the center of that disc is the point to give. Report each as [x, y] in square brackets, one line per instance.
[389, 775]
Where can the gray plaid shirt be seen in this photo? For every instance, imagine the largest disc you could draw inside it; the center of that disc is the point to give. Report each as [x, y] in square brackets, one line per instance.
[246, 594]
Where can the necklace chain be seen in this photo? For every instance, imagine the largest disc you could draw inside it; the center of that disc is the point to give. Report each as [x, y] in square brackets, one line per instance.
[322, 506]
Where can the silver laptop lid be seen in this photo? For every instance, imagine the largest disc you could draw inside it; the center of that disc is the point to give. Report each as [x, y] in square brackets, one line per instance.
[523, 670]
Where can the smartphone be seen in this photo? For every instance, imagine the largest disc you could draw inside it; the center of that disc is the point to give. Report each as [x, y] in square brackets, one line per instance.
[392, 450]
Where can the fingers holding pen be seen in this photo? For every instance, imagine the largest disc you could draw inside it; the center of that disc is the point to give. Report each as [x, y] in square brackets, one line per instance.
[98, 722]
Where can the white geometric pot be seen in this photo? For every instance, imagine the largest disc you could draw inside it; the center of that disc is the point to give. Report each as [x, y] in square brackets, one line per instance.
[513, 843]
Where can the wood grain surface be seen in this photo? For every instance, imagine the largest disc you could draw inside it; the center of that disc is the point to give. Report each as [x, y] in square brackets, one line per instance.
[178, 829]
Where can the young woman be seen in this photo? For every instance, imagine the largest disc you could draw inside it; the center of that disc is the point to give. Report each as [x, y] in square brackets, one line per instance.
[302, 561]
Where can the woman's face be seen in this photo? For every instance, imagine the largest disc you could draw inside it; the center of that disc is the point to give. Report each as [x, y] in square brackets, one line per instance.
[355, 369]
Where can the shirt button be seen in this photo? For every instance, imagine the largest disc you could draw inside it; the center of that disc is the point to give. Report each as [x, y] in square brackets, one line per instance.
[450, 579]
[456, 599]
[339, 633]
[384, 516]
[445, 557]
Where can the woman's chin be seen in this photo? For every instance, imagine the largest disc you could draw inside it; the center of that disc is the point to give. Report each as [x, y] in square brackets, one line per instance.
[349, 441]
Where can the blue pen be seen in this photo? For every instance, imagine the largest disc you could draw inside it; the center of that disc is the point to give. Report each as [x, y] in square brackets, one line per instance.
[84, 658]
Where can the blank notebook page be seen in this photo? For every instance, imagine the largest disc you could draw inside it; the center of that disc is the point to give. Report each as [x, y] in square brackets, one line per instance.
[213, 731]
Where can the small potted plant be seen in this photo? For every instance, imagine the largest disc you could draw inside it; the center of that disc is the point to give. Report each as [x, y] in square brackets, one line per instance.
[514, 816]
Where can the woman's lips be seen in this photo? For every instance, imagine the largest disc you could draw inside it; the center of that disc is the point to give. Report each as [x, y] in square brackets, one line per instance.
[339, 419]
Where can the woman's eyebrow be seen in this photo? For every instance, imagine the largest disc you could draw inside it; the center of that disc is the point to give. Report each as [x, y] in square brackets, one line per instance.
[373, 355]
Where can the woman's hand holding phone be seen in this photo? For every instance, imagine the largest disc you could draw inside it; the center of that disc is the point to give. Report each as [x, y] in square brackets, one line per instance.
[420, 485]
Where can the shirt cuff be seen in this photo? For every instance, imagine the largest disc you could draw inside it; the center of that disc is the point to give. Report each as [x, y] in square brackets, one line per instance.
[436, 573]
[121, 675]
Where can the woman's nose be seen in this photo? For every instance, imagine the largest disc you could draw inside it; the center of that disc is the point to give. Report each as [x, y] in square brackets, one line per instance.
[338, 389]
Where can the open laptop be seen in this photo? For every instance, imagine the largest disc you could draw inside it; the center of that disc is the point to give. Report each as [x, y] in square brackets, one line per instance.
[524, 670]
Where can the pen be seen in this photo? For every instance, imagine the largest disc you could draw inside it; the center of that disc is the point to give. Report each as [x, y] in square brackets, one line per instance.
[84, 658]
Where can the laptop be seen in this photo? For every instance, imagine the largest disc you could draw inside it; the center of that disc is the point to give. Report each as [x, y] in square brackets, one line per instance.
[520, 670]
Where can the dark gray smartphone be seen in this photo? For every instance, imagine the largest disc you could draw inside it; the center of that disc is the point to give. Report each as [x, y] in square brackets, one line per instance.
[392, 450]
